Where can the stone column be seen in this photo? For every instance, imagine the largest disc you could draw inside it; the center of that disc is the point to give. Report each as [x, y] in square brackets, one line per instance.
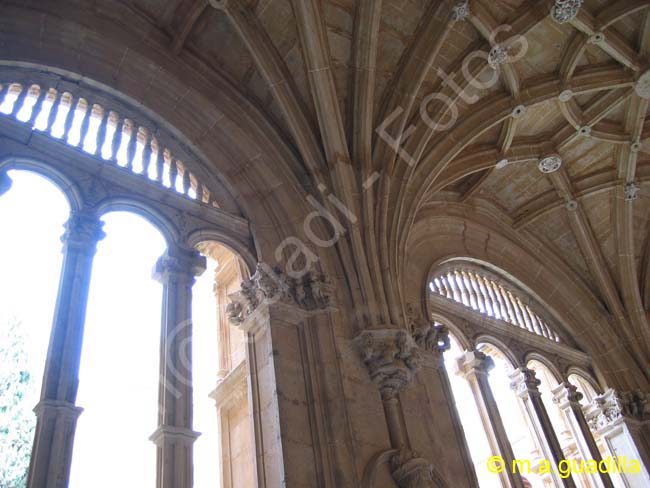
[56, 412]
[275, 311]
[174, 436]
[5, 182]
[622, 419]
[567, 397]
[527, 387]
[392, 358]
[475, 366]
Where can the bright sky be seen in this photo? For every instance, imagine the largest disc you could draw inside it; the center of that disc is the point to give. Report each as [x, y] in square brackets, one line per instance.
[119, 369]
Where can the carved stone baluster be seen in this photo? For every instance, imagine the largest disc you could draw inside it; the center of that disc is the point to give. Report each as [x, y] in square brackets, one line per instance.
[20, 101]
[451, 279]
[131, 147]
[102, 129]
[186, 181]
[3, 92]
[117, 138]
[146, 154]
[38, 106]
[56, 106]
[160, 164]
[85, 124]
[173, 173]
[69, 119]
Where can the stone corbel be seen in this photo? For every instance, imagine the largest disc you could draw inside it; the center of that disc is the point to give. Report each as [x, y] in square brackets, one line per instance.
[310, 293]
[392, 358]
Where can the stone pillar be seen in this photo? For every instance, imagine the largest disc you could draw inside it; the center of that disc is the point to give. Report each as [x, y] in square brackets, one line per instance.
[275, 311]
[474, 366]
[622, 419]
[433, 341]
[5, 182]
[174, 436]
[56, 412]
[527, 387]
[568, 398]
[392, 358]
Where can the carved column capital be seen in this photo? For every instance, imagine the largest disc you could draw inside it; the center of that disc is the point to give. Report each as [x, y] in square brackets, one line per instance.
[310, 293]
[525, 383]
[566, 394]
[392, 358]
[613, 406]
[179, 264]
[83, 231]
[474, 363]
[5, 182]
[409, 470]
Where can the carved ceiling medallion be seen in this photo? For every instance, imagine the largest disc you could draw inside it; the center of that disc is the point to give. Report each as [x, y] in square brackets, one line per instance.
[550, 164]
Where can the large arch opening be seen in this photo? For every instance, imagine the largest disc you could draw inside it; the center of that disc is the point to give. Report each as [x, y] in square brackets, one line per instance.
[32, 214]
[119, 371]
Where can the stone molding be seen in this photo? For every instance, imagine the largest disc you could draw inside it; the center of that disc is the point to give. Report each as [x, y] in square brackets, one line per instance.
[232, 389]
[57, 408]
[391, 356]
[610, 407]
[167, 433]
[409, 470]
[310, 293]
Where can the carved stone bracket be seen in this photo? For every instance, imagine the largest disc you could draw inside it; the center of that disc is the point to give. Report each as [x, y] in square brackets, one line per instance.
[430, 337]
[311, 292]
[612, 406]
[409, 470]
[392, 357]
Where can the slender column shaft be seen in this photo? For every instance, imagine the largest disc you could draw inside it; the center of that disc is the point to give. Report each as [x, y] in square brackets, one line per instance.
[174, 437]
[56, 412]
[527, 387]
[568, 398]
[475, 366]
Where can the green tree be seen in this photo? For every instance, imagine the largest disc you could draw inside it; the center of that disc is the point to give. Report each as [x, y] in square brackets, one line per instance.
[17, 421]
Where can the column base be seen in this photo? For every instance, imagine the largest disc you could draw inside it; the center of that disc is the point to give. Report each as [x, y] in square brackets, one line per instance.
[53, 441]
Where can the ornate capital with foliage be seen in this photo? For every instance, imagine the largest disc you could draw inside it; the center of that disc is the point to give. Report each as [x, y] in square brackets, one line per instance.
[392, 357]
[612, 406]
[83, 231]
[311, 292]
